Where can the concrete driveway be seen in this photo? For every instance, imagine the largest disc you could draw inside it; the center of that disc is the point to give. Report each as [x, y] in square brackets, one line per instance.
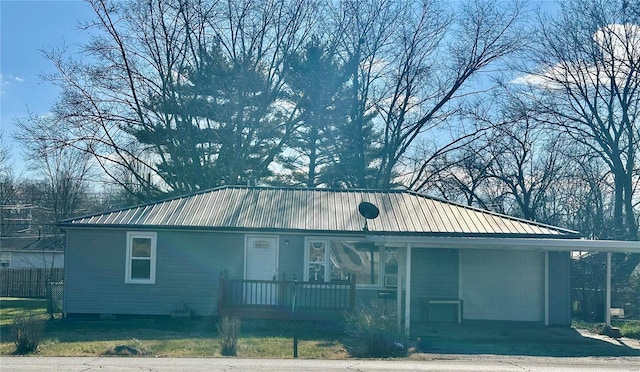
[521, 339]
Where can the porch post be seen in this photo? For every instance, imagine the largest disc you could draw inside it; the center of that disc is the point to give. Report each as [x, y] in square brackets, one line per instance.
[407, 300]
[607, 304]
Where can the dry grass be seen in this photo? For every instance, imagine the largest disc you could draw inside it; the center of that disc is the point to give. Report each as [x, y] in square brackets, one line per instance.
[163, 337]
[74, 338]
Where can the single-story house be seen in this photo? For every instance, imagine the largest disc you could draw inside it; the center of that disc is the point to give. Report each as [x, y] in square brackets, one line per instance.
[33, 251]
[430, 258]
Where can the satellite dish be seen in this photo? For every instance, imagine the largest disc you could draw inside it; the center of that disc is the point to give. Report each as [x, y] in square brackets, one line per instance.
[369, 211]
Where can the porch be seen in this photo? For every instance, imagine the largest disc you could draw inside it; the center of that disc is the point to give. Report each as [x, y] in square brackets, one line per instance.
[286, 299]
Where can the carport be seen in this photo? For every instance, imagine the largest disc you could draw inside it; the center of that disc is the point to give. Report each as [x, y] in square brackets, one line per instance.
[544, 248]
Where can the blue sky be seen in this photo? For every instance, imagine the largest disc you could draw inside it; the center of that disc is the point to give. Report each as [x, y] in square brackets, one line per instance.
[26, 28]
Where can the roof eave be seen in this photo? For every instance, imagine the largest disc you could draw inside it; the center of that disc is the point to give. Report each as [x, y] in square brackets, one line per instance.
[391, 234]
[537, 243]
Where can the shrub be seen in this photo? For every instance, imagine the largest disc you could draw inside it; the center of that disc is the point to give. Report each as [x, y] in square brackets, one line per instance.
[228, 333]
[27, 333]
[373, 331]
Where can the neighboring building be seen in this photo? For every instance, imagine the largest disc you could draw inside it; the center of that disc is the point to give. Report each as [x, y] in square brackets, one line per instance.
[45, 251]
[436, 260]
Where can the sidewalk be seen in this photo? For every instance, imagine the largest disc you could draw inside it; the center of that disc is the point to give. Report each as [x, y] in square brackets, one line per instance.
[447, 363]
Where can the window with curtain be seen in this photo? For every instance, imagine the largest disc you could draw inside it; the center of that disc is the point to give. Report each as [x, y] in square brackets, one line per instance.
[337, 259]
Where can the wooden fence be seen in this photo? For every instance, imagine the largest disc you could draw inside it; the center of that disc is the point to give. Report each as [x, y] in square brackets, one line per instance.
[27, 282]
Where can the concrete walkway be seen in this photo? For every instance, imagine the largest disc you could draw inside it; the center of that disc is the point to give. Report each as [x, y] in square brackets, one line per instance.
[622, 341]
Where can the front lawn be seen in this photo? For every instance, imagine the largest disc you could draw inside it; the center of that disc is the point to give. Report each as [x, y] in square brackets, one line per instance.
[164, 337]
[13, 307]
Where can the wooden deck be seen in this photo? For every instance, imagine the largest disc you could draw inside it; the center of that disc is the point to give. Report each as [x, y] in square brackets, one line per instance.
[282, 299]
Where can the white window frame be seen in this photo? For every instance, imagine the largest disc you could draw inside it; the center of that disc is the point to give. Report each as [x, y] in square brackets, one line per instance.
[379, 265]
[5, 259]
[152, 269]
[387, 278]
[327, 248]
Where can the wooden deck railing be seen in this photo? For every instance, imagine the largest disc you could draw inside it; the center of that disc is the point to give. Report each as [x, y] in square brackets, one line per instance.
[284, 299]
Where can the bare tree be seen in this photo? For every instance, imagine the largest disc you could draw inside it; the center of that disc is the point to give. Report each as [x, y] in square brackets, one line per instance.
[461, 177]
[587, 81]
[414, 62]
[6, 176]
[523, 158]
[7, 187]
[585, 195]
[512, 167]
[5, 166]
[439, 53]
[65, 171]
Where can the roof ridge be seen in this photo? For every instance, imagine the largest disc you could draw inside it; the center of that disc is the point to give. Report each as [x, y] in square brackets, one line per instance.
[219, 188]
[323, 189]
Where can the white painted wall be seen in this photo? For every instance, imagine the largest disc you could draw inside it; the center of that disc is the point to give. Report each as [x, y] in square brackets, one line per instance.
[502, 285]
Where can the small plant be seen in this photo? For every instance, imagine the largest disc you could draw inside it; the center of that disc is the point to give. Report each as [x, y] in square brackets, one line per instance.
[228, 333]
[373, 331]
[27, 333]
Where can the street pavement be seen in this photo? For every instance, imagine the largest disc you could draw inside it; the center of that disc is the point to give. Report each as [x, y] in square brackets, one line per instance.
[432, 363]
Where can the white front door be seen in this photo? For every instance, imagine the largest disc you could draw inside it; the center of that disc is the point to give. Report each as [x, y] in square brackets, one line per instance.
[261, 263]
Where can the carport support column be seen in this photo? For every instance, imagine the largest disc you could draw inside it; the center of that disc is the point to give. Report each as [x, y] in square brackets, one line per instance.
[407, 299]
[401, 276]
[607, 304]
[546, 288]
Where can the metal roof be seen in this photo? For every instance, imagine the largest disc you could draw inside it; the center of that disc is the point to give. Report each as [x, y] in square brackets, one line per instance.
[320, 210]
[53, 242]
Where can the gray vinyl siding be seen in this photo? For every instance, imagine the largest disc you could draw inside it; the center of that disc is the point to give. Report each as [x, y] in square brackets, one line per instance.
[188, 266]
[559, 288]
[434, 274]
[291, 260]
